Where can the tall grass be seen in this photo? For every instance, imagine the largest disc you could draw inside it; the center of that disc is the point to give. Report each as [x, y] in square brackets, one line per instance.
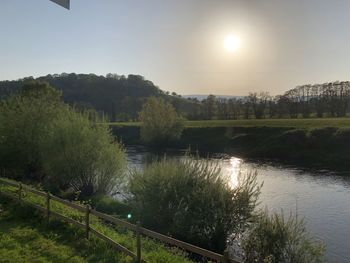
[190, 200]
[277, 239]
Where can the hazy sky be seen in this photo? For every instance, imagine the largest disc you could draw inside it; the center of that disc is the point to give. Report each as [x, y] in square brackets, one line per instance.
[179, 44]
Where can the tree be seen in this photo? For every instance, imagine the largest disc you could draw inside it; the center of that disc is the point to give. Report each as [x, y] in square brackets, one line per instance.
[223, 112]
[210, 107]
[259, 103]
[234, 108]
[160, 122]
[192, 201]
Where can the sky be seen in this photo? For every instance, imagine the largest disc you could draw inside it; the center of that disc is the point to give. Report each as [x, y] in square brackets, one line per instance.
[179, 44]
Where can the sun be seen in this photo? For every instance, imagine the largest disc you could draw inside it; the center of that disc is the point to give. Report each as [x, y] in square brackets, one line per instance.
[232, 43]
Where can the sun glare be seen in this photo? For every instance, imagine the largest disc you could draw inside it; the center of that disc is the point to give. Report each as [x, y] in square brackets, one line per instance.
[232, 43]
[234, 170]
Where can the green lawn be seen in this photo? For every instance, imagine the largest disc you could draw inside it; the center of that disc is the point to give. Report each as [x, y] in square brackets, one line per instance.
[293, 123]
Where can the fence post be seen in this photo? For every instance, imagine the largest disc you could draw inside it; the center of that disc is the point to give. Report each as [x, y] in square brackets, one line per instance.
[48, 207]
[226, 256]
[138, 242]
[87, 221]
[20, 192]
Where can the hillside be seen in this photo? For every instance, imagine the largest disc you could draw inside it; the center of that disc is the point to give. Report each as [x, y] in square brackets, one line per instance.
[202, 97]
[118, 97]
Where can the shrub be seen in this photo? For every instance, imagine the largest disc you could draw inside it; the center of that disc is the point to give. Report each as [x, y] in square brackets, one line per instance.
[160, 122]
[274, 239]
[45, 140]
[25, 120]
[83, 155]
[190, 200]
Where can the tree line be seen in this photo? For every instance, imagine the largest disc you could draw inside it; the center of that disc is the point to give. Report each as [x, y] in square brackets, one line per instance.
[329, 99]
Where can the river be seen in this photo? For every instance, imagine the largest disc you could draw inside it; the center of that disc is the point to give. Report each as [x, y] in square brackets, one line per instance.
[321, 197]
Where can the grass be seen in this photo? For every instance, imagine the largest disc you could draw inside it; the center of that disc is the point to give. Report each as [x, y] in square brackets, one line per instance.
[67, 243]
[282, 123]
[125, 124]
[20, 241]
[288, 123]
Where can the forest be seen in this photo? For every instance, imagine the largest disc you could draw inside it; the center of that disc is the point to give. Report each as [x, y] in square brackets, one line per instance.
[120, 98]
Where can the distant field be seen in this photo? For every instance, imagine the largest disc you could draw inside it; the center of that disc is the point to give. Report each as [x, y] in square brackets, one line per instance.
[135, 124]
[294, 123]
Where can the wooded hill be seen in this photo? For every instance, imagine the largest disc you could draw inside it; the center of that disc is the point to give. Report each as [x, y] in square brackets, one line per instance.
[119, 98]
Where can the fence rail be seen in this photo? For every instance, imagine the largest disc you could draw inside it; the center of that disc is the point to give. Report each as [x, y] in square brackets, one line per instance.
[88, 229]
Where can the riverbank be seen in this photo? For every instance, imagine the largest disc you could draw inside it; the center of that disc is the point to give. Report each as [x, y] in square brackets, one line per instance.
[310, 123]
[305, 144]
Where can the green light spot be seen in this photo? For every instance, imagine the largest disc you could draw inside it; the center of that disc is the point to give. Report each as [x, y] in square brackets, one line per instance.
[129, 216]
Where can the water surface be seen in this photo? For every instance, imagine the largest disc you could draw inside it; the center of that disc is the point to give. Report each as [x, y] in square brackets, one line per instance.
[321, 197]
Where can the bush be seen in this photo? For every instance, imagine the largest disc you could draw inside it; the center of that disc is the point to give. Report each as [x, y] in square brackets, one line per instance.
[83, 155]
[273, 239]
[26, 119]
[190, 200]
[160, 122]
[45, 140]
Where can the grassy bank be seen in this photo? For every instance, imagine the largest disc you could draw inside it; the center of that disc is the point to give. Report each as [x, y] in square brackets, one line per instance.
[25, 237]
[314, 143]
[274, 123]
[25, 241]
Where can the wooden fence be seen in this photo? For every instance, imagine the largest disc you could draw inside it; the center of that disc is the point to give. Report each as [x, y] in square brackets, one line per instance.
[206, 254]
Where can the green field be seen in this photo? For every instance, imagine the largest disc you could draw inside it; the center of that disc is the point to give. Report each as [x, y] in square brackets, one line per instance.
[287, 123]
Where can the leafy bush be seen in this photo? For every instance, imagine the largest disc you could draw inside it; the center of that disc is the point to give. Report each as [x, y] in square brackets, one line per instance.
[190, 200]
[274, 239]
[83, 155]
[26, 119]
[45, 140]
[160, 122]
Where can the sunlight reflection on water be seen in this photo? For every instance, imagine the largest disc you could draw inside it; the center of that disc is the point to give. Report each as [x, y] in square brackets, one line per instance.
[234, 171]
